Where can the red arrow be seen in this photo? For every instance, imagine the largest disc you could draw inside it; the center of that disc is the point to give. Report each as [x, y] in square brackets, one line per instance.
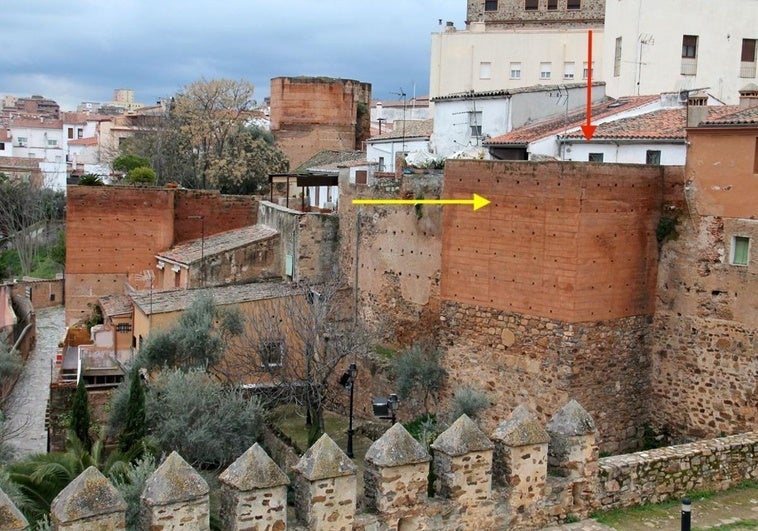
[589, 129]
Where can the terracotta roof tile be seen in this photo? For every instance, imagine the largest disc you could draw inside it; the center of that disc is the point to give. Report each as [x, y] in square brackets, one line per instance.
[36, 124]
[114, 305]
[180, 299]
[544, 129]
[413, 129]
[664, 124]
[329, 158]
[747, 116]
[192, 251]
[89, 141]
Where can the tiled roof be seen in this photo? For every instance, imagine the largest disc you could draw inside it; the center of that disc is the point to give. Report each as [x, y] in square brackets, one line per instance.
[36, 124]
[89, 141]
[747, 116]
[665, 124]
[329, 159]
[539, 130]
[192, 251]
[114, 305]
[74, 117]
[179, 299]
[413, 129]
[508, 92]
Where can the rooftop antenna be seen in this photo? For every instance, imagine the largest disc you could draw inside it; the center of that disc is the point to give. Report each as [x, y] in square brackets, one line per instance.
[645, 39]
[402, 94]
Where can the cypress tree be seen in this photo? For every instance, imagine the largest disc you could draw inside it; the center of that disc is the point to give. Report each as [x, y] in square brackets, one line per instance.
[135, 429]
[80, 420]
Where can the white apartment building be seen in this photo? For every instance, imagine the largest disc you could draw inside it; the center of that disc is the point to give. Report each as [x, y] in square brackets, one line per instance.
[654, 46]
[479, 60]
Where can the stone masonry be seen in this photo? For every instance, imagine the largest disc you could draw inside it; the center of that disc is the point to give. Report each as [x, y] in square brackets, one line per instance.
[532, 494]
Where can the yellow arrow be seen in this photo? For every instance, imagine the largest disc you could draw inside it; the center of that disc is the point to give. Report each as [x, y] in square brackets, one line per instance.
[477, 201]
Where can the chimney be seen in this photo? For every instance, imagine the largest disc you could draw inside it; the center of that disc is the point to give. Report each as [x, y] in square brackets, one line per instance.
[697, 109]
[749, 96]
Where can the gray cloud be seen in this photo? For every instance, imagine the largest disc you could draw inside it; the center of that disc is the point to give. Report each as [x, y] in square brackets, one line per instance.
[82, 50]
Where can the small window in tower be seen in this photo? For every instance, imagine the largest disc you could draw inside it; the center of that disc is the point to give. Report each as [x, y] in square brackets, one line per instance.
[531, 5]
[573, 4]
[490, 5]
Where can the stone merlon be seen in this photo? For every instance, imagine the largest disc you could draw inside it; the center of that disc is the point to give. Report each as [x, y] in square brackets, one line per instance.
[254, 470]
[521, 429]
[90, 494]
[397, 448]
[325, 460]
[572, 420]
[173, 482]
[10, 517]
[463, 437]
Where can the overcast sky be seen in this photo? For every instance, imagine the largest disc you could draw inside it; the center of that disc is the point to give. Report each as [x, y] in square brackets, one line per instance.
[80, 50]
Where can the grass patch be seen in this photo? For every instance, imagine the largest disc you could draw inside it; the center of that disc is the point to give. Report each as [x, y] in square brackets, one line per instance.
[385, 352]
[651, 510]
[744, 524]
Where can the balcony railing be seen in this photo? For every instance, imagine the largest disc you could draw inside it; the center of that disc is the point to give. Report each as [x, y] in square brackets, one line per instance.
[747, 69]
[689, 66]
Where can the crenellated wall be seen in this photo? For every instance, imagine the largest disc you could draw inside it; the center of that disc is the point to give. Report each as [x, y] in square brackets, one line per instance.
[541, 476]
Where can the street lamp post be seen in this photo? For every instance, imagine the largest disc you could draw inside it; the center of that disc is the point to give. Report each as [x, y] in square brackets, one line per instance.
[348, 381]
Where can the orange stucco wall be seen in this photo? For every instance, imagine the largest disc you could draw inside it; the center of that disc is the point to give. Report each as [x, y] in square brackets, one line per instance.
[721, 164]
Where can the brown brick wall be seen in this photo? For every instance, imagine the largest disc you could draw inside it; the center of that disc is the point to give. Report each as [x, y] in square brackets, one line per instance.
[568, 241]
[44, 293]
[114, 232]
[311, 114]
[511, 13]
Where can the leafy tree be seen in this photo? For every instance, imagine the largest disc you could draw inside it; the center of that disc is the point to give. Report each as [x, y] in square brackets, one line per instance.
[129, 162]
[418, 371]
[90, 179]
[470, 400]
[194, 341]
[141, 175]
[80, 417]
[131, 484]
[39, 478]
[135, 429]
[204, 140]
[207, 422]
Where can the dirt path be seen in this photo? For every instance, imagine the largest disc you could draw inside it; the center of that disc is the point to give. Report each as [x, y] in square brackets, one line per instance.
[733, 510]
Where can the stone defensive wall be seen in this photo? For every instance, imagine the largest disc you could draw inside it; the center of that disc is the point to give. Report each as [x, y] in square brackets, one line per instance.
[523, 476]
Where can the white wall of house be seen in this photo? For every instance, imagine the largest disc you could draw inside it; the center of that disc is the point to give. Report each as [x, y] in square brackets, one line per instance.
[452, 123]
[54, 174]
[390, 114]
[720, 28]
[673, 153]
[39, 142]
[476, 60]
[384, 151]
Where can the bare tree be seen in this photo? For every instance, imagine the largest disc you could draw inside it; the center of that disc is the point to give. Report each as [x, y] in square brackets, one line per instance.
[295, 347]
[22, 205]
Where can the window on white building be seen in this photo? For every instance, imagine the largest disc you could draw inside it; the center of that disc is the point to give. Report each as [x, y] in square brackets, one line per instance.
[545, 70]
[585, 70]
[595, 157]
[2, 146]
[740, 254]
[381, 163]
[653, 157]
[22, 141]
[515, 70]
[70, 132]
[569, 70]
[689, 55]
[485, 70]
[617, 58]
[79, 133]
[747, 58]
[52, 143]
[475, 123]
